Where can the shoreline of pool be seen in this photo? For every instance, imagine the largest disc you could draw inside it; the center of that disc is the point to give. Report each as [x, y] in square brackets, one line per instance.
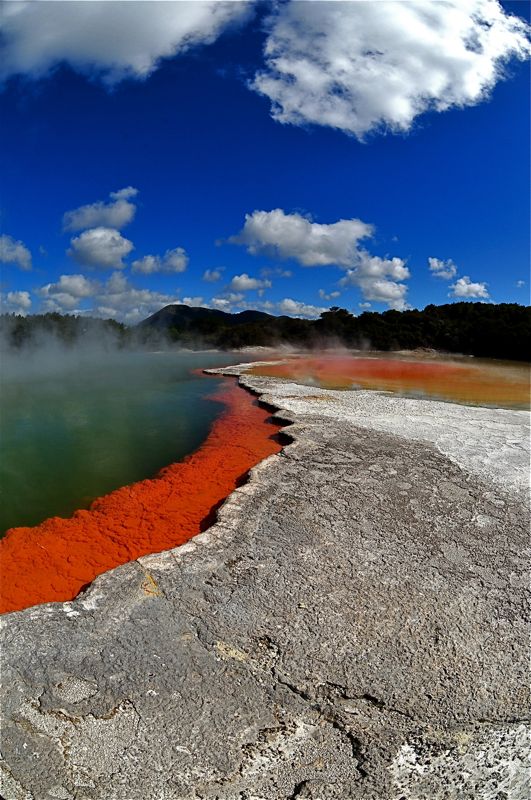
[355, 618]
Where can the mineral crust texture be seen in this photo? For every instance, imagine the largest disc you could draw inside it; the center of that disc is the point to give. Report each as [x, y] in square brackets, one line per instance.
[353, 626]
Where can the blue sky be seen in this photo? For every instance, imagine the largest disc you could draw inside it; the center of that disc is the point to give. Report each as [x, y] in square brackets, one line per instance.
[221, 157]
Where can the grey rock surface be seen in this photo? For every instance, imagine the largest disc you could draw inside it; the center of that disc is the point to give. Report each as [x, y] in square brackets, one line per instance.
[353, 626]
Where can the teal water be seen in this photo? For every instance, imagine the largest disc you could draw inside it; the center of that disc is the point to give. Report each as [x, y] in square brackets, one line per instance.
[78, 427]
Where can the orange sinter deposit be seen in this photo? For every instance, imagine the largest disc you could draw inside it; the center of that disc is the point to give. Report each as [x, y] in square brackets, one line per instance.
[54, 560]
[462, 382]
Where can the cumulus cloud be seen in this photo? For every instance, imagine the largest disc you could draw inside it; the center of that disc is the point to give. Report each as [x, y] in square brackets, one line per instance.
[442, 269]
[380, 290]
[296, 308]
[385, 291]
[244, 283]
[228, 301]
[378, 278]
[355, 66]
[197, 300]
[328, 295]
[67, 293]
[363, 66]
[212, 275]
[115, 297]
[221, 303]
[14, 252]
[115, 214]
[338, 244]
[175, 260]
[76, 285]
[21, 299]
[115, 40]
[100, 247]
[16, 303]
[464, 287]
[130, 304]
[293, 236]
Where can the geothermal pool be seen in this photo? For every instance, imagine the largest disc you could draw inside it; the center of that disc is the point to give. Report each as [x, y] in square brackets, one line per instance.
[73, 435]
[73, 428]
[482, 382]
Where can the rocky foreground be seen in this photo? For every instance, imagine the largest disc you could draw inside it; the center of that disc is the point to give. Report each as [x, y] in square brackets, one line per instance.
[353, 626]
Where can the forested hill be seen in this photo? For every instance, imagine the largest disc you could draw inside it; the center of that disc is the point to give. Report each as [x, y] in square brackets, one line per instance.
[480, 329]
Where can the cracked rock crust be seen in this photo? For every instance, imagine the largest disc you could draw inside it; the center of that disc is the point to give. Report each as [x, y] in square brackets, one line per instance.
[353, 626]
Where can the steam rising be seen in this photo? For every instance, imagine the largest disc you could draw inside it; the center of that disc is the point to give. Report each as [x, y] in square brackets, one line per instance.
[52, 345]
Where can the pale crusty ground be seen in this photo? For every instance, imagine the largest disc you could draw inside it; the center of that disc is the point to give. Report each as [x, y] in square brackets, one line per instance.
[354, 626]
[493, 443]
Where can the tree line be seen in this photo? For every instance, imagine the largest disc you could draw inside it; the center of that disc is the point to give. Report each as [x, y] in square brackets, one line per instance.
[479, 329]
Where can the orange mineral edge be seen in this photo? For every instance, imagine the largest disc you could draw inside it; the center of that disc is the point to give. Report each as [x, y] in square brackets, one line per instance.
[462, 382]
[53, 561]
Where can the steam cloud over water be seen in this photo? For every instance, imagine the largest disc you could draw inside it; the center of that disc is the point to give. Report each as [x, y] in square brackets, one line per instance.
[76, 423]
[50, 345]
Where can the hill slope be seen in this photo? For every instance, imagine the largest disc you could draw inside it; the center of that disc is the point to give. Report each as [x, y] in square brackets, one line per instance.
[480, 329]
[189, 317]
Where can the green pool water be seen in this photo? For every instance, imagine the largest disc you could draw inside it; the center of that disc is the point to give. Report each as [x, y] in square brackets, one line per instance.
[76, 427]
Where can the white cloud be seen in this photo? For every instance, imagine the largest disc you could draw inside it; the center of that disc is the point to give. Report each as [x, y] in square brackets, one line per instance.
[212, 275]
[193, 301]
[221, 303]
[293, 236]
[172, 261]
[464, 287]
[67, 293]
[378, 279]
[14, 252]
[296, 308]
[385, 291]
[21, 299]
[244, 283]
[354, 66]
[76, 285]
[229, 301]
[115, 214]
[100, 247]
[235, 297]
[116, 297]
[328, 295]
[520, 284]
[61, 302]
[105, 312]
[113, 39]
[361, 66]
[365, 305]
[16, 303]
[442, 269]
[128, 303]
[315, 244]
